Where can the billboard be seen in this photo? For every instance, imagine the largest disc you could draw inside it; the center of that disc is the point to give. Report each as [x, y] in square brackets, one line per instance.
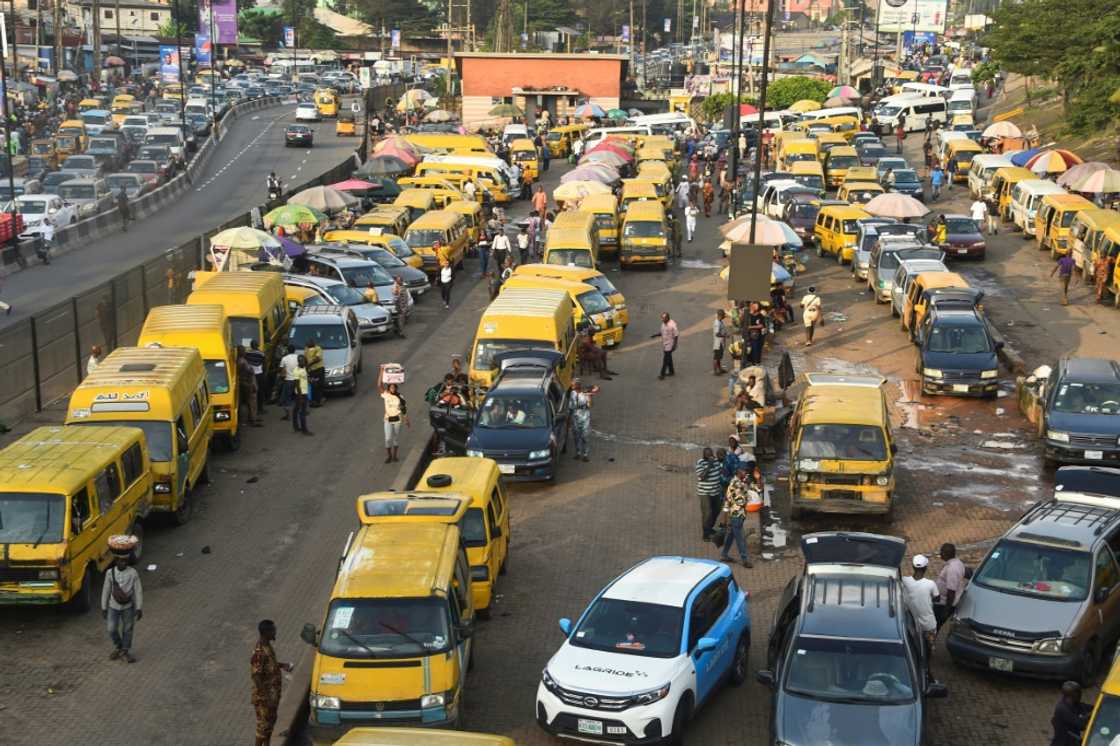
[225, 19]
[202, 49]
[289, 37]
[896, 18]
[168, 63]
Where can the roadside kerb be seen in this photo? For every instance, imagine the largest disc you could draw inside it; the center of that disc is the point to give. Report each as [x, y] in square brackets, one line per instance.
[1010, 357]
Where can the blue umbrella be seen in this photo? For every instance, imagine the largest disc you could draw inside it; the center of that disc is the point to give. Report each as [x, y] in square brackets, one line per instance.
[1021, 158]
[780, 274]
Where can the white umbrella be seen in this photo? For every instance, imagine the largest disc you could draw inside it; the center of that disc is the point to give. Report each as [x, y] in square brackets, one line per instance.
[1080, 172]
[324, 198]
[1002, 129]
[895, 205]
[767, 232]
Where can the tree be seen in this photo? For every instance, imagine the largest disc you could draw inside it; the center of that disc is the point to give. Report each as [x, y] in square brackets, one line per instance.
[266, 25]
[784, 91]
[410, 16]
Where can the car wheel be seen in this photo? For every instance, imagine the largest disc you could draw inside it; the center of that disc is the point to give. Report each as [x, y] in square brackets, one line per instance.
[820, 249]
[233, 442]
[1090, 662]
[680, 722]
[186, 506]
[740, 665]
[86, 597]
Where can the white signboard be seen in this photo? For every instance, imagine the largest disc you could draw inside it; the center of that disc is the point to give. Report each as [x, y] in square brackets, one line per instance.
[931, 16]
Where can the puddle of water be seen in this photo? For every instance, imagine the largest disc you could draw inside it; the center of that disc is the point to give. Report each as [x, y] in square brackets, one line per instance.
[1001, 444]
[629, 440]
[698, 264]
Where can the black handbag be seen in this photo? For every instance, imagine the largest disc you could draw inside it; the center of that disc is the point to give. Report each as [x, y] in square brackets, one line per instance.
[719, 535]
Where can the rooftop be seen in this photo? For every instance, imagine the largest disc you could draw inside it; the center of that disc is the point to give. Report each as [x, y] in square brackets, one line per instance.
[661, 580]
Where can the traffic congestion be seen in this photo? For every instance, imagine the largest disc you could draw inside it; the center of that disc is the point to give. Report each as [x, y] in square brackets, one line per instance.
[478, 438]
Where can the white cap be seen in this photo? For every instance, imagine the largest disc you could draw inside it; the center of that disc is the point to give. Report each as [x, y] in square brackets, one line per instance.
[920, 561]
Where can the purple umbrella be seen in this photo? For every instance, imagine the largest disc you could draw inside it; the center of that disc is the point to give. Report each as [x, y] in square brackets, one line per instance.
[290, 247]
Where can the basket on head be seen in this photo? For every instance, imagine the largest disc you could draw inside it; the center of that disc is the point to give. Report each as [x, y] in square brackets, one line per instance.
[122, 545]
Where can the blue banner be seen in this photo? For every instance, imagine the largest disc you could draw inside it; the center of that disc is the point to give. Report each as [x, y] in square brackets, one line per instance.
[289, 36]
[203, 53]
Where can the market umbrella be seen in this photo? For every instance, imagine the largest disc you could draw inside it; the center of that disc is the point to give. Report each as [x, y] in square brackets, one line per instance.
[355, 185]
[291, 248]
[1002, 129]
[591, 172]
[290, 216]
[382, 165]
[1055, 161]
[895, 205]
[589, 111]
[835, 101]
[613, 146]
[617, 114]
[114, 61]
[398, 142]
[1098, 182]
[843, 91]
[577, 190]
[439, 115]
[767, 232]
[324, 199]
[804, 105]
[605, 157]
[408, 157]
[1080, 172]
[1021, 158]
[244, 238]
[506, 110]
[747, 110]
[413, 99]
[386, 187]
[67, 76]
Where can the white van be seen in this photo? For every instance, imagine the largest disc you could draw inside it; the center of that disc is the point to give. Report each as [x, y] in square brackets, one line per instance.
[513, 132]
[919, 113]
[926, 90]
[1026, 196]
[836, 111]
[984, 167]
[961, 78]
[677, 121]
[171, 137]
[779, 193]
[962, 101]
[773, 121]
[596, 136]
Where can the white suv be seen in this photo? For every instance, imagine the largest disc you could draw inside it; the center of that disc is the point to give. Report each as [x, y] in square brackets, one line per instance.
[647, 653]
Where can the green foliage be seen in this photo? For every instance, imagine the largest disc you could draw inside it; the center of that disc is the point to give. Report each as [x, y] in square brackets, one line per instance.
[784, 91]
[410, 16]
[712, 107]
[984, 72]
[1074, 43]
[260, 24]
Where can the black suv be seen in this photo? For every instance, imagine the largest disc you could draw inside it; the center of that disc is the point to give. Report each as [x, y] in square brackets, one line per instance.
[523, 421]
[1079, 411]
[845, 659]
[956, 351]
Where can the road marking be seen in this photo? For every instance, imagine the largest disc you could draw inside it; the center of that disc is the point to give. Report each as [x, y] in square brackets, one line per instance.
[240, 153]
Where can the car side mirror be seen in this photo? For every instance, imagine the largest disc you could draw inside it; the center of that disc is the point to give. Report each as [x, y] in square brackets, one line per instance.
[704, 644]
[465, 629]
[566, 626]
[1101, 595]
[936, 690]
[309, 635]
[764, 677]
[999, 346]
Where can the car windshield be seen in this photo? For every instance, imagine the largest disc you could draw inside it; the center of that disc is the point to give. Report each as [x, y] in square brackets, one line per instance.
[76, 191]
[812, 181]
[400, 247]
[365, 275]
[29, 207]
[419, 239]
[122, 182]
[849, 671]
[329, 336]
[1106, 723]
[385, 258]
[95, 119]
[803, 210]
[217, 376]
[1067, 218]
[104, 143]
[80, 162]
[602, 284]
[1087, 398]
[643, 229]
[842, 161]
[630, 628]
[593, 301]
[167, 139]
[861, 196]
[344, 295]
[157, 433]
[502, 411]
[1030, 569]
[31, 517]
[843, 443]
[961, 225]
[889, 111]
[904, 177]
[485, 350]
[385, 628]
[962, 340]
[851, 227]
[244, 330]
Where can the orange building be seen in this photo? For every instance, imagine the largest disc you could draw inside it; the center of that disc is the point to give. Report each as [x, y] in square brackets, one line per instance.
[538, 81]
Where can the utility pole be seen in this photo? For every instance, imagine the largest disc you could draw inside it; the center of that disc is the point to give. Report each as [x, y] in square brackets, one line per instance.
[503, 28]
[733, 161]
[117, 15]
[630, 41]
[8, 129]
[761, 111]
[680, 21]
[97, 42]
[56, 8]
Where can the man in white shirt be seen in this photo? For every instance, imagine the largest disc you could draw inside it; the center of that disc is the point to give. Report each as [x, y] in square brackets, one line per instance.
[979, 212]
[288, 365]
[921, 594]
[500, 246]
[470, 191]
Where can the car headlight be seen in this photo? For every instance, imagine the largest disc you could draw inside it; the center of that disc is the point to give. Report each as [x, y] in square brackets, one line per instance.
[480, 572]
[977, 245]
[48, 575]
[989, 373]
[549, 683]
[433, 700]
[802, 477]
[543, 453]
[162, 488]
[1057, 435]
[931, 372]
[653, 695]
[342, 370]
[883, 480]
[474, 454]
[807, 464]
[1054, 645]
[320, 702]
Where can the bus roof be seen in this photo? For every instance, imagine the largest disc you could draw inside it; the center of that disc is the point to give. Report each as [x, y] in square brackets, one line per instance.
[60, 459]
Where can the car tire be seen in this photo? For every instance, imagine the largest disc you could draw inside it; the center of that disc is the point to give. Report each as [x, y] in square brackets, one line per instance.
[740, 665]
[233, 442]
[186, 508]
[820, 249]
[86, 597]
[680, 722]
[1090, 663]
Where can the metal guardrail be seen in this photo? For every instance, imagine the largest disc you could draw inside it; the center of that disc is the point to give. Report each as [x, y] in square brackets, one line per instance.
[42, 358]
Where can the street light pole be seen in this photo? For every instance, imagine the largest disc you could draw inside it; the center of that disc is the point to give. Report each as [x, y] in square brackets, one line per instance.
[179, 54]
[213, 67]
[8, 134]
[761, 113]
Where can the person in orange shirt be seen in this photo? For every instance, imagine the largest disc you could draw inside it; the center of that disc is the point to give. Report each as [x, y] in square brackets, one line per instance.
[540, 200]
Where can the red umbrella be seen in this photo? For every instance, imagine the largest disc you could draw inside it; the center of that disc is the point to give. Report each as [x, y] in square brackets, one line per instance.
[746, 109]
[355, 185]
[611, 147]
[401, 154]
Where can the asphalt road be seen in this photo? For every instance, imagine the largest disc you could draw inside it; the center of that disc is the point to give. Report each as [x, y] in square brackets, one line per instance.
[232, 182]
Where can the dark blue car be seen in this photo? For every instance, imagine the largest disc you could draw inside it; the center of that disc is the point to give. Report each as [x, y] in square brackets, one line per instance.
[1080, 412]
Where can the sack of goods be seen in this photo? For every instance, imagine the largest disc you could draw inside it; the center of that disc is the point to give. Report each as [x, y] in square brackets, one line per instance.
[123, 544]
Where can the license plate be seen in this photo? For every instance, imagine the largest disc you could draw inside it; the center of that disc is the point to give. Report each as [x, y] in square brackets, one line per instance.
[611, 343]
[590, 727]
[960, 387]
[506, 468]
[1094, 455]
[962, 251]
[1001, 664]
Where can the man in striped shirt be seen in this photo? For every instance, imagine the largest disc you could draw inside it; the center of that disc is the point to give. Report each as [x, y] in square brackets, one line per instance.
[708, 490]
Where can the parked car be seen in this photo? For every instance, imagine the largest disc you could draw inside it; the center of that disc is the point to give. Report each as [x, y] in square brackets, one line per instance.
[307, 111]
[845, 660]
[151, 171]
[963, 238]
[906, 181]
[647, 654]
[85, 166]
[956, 351]
[53, 180]
[871, 152]
[414, 279]
[373, 320]
[335, 328]
[1045, 600]
[1077, 407]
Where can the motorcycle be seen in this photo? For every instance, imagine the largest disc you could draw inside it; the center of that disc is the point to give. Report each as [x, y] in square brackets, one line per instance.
[274, 192]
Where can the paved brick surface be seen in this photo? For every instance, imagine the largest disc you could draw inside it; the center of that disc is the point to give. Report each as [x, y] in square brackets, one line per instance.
[275, 541]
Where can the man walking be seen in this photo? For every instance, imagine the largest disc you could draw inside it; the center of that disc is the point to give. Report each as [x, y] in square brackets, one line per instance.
[246, 386]
[257, 361]
[979, 212]
[500, 245]
[265, 672]
[735, 512]
[580, 402]
[1064, 268]
[936, 180]
[288, 365]
[921, 595]
[668, 335]
[316, 373]
[400, 305]
[719, 340]
[754, 333]
[810, 313]
[1070, 716]
[708, 491]
[122, 598]
[122, 208]
[691, 212]
[540, 200]
[300, 390]
[950, 583]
